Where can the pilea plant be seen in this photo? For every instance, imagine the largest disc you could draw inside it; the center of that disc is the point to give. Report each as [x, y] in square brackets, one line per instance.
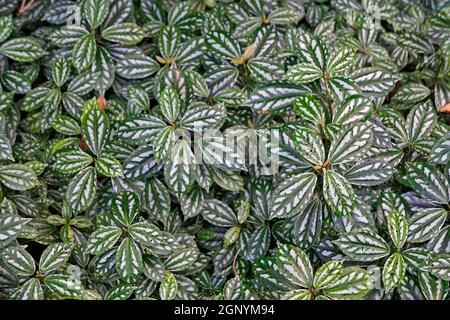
[294, 149]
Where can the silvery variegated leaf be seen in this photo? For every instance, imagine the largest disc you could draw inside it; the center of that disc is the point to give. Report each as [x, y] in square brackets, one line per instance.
[428, 182]
[169, 287]
[95, 127]
[439, 266]
[338, 193]
[179, 260]
[394, 271]
[355, 108]
[351, 143]
[420, 121]
[373, 82]
[238, 150]
[353, 283]
[179, 172]
[308, 224]
[432, 287]
[309, 145]
[140, 129]
[412, 93]
[440, 153]
[103, 239]
[293, 195]
[295, 265]
[328, 274]
[309, 109]
[223, 45]
[426, 224]
[398, 228]
[18, 177]
[125, 207]
[64, 286]
[22, 49]
[129, 263]
[219, 214]
[10, 227]
[30, 290]
[364, 245]
[126, 33]
[72, 161]
[81, 189]
[19, 260]
[369, 172]
[274, 96]
[54, 256]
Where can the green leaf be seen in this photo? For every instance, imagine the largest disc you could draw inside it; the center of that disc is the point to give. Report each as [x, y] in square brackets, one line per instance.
[6, 27]
[18, 177]
[163, 143]
[145, 233]
[398, 228]
[340, 60]
[201, 117]
[5, 148]
[293, 195]
[412, 93]
[120, 292]
[364, 245]
[179, 172]
[352, 109]
[369, 172]
[169, 287]
[353, 283]
[432, 287]
[129, 263]
[156, 198]
[22, 49]
[393, 271]
[81, 189]
[421, 121]
[126, 33]
[94, 126]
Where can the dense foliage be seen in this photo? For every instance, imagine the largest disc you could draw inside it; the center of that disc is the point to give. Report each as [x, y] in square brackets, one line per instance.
[104, 107]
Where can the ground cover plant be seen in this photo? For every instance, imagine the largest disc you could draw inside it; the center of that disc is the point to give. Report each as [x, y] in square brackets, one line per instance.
[220, 149]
